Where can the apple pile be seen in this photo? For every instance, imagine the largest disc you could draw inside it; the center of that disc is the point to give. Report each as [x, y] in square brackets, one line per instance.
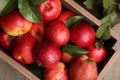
[65, 53]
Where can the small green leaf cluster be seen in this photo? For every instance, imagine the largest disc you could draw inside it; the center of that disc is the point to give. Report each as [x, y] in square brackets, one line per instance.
[27, 8]
[109, 16]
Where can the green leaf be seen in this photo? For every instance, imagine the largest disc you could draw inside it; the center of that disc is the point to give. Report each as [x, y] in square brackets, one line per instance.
[38, 1]
[106, 35]
[29, 10]
[73, 20]
[110, 18]
[109, 4]
[6, 6]
[74, 50]
[113, 19]
[99, 44]
[106, 11]
[106, 3]
[119, 5]
[100, 31]
[108, 21]
[89, 3]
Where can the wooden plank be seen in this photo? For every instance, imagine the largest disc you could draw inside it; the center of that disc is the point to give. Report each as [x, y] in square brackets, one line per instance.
[7, 72]
[114, 72]
[17, 66]
[115, 31]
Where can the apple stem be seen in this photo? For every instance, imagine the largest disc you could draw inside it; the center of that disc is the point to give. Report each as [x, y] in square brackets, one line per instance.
[47, 6]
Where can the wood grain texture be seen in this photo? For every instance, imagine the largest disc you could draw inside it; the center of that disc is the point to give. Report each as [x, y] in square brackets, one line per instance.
[7, 72]
[114, 72]
[17, 66]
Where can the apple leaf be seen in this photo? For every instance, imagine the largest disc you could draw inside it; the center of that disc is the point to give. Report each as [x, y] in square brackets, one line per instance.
[119, 5]
[89, 3]
[110, 18]
[73, 20]
[99, 44]
[100, 31]
[113, 19]
[108, 4]
[74, 50]
[29, 10]
[103, 32]
[106, 35]
[7, 5]
[38, 1]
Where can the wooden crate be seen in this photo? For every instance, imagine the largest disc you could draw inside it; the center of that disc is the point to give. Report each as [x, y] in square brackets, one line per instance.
[103, 67]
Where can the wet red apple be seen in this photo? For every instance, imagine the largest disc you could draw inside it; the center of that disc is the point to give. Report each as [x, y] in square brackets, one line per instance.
[14, 24]
[83, 68]
[82, 34]
[22, 49]
[50, 10]
[58, 72]
[97, 54]
[66, 57]
[65, 15]
[37, 30]
[47, 54]
[5, 40]
[57, 32]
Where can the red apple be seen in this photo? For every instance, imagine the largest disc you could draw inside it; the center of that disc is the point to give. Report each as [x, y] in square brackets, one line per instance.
[47, 54]
[37, 30]
[82, 34]
[22, 49]
[83, 68]
[97, 54]
[58, 72]
[50, 10]
[66, 57]
[65, 15]
[14, 24]
[57, 32]
[5, 40]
